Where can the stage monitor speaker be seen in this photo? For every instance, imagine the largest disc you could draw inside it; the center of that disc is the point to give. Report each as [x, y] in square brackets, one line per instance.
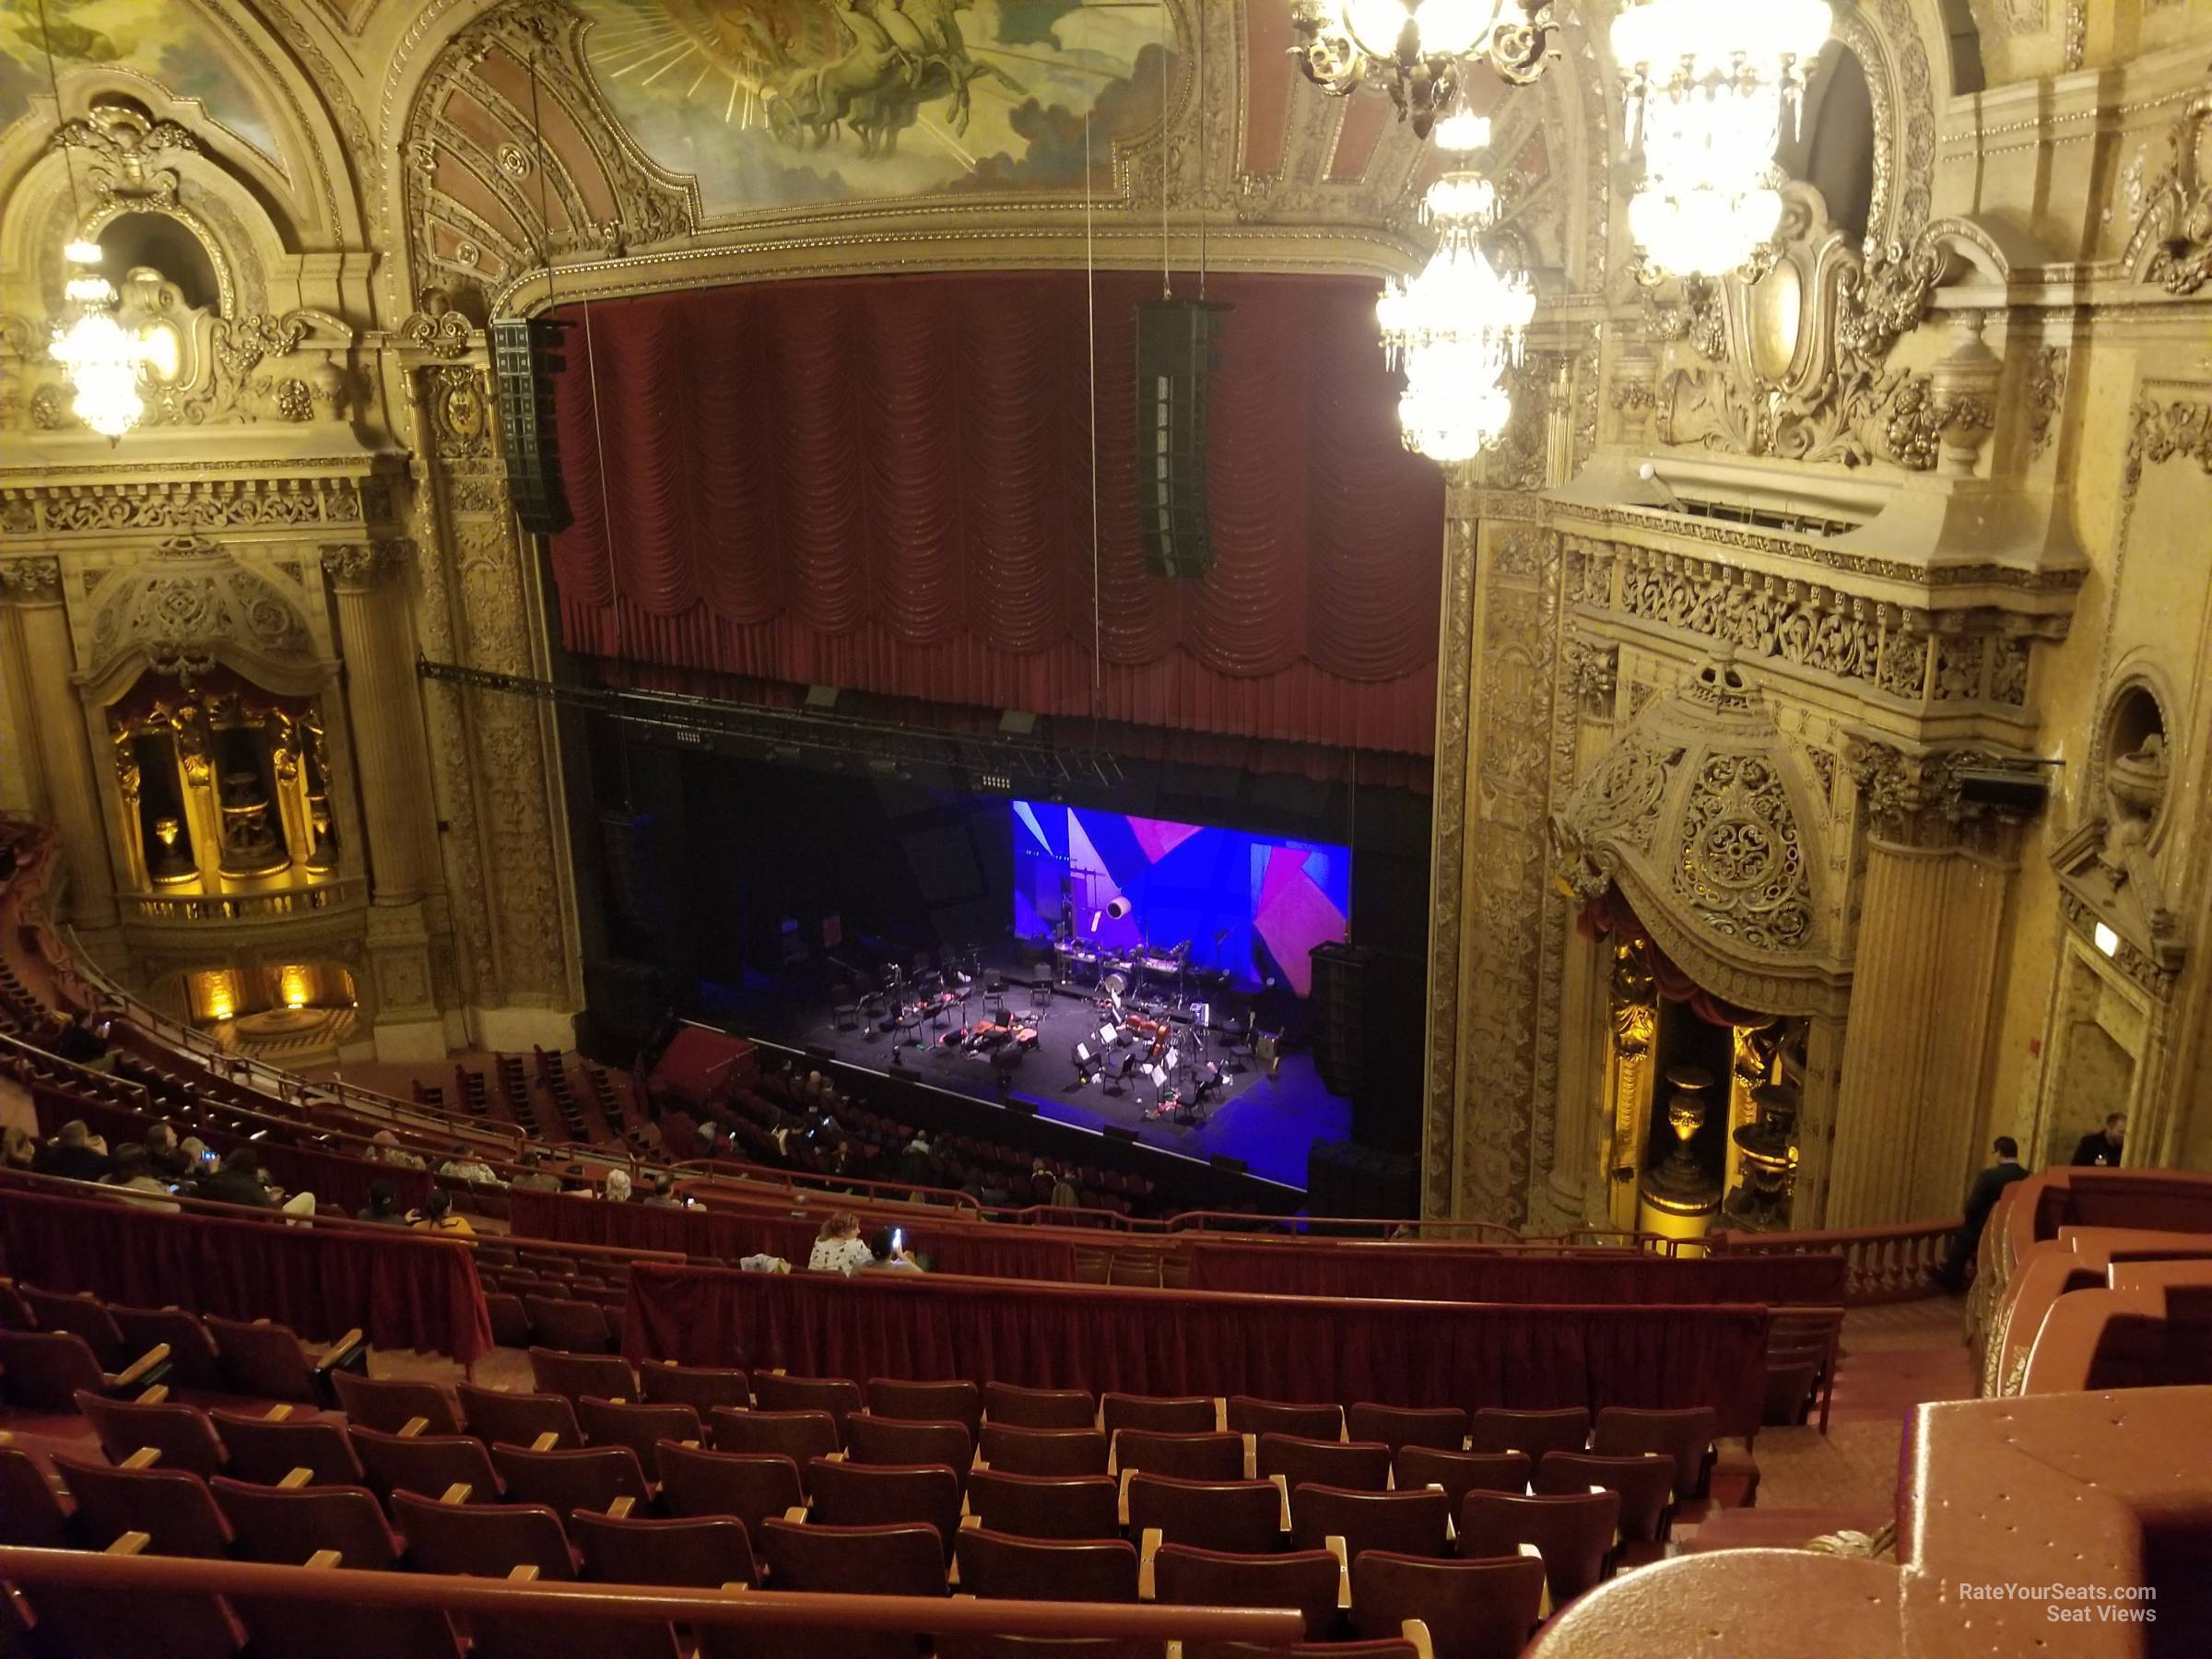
[821, 699]
[526, 356]
[1175, 345]
[1017, 723]
[628, 855]
[1115, 1132]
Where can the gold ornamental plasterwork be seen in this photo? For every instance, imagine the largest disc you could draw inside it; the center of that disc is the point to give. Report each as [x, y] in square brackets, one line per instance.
[1447, 856]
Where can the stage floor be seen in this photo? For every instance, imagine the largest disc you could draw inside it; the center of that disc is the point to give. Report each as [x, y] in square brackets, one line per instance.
[1268, 1122]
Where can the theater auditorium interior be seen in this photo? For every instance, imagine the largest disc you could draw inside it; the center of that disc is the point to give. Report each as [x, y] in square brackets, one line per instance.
[1105, 829]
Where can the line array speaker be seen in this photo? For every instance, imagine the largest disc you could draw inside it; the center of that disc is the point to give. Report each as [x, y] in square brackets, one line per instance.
[526, 354]
[1175, 345]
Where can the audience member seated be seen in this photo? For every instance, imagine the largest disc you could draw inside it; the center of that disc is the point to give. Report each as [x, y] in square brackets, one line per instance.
[839, 1247]
[437, 1215]
[888, 1253]
[74, 1040]
[460, 1164]
[237, 1180]
[72, 1155]
[663, 1193]
[382, 1205]
[616, 1189]
[166, 1153]
[389, 1151]
[19, 1151]
[134, 1172]
[535, 1178]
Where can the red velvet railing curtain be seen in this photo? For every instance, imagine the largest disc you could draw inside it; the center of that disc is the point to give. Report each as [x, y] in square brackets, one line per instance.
[884, 484]
[1465, 1275]
[1166, 1342]
[404, 1290]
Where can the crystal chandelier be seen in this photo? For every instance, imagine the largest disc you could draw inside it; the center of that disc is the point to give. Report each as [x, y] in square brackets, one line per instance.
[1419, 47]
[1707, 86]
[102, 357]
[1457, 325]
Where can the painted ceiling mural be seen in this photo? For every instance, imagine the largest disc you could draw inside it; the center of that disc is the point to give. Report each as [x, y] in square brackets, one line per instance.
[166, 40]
[782, 103]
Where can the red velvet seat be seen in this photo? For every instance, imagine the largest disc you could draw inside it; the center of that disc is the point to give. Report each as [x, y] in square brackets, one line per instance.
[1415, 1523]
[569, 1327]
[81, 1315]
[483, 1540]
[885, 1495]
[519, 1419]
[870, 1439]
[699, 1483]
[1182, 1456]
[511, 1325]
[1494, 1429]
[1441, 1427]
[182, 1434]
[133, 1625]
[1304, 1579]
[1040, 1408]
[265, 1448]
[575, 1375]
[1645, 1484]
[1000, 1566]
[33, 1515]
[171, 1507]
[425, 1464]
[192, 1360]
[844, 1560]
[44, 1370]
[1686, 1435]
[1043, 1451]
[1363, 1465]
[287, 1525]
[705, 1553]
[699, 1387]
[1460, 1473]
[304, 1629]
[1241, 1516]
[1248, 1414]
[590, 1477]
[1033, 1506]
[1571, 1531]
[801, 1436]
[1482, 1610]
[270, 1362]
[954, 1401]
[835, 1395]
[640, 1428]
[1186, 1413]
[389, 1406]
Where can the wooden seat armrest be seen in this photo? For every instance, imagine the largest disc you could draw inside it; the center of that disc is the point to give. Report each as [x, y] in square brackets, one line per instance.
[1220, 1414]
[296, 1478]
[619, 1509]
[971, 1523]
[1251, 1456]
[129, 1543]
[1148, 1548]
[277, 1414]
[148, 1367]
[796, 1515]
[1417, 1637]
[154, 1396]
[414, 1428]
[522, 1573]
[1543, 1600]
[1121, 1510]
[324, 1560]
[834, 1457]
[543, 1443]
[145, 1457]
[1282, 1493]
[456, 1493]
[1344, 1572]
[340, 1351]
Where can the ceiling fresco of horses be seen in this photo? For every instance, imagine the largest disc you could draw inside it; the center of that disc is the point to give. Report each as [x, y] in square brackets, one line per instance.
[782, 103]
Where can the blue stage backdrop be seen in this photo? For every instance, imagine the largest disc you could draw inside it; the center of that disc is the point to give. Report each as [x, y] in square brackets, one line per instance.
[1252, 906]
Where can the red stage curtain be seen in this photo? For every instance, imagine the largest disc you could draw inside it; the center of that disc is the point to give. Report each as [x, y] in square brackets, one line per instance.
[885, 483]
[1469, 1276]
[404, 1290]
[1169, 1342]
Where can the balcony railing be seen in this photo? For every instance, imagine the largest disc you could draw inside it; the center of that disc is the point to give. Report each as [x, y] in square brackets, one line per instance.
[1881, 1263]
[242, 907]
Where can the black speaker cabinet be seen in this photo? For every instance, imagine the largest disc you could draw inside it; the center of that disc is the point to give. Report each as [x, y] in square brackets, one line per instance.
[526, 356]
[1175, 345]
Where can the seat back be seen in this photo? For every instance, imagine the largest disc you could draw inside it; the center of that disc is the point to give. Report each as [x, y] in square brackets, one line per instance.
[1684, 1435]
[84, 1316]
[510, 1325]
[640, 1428]
[1040, 1408]
[1481, 1609]
[695, 1482]
[885, 1495]
[484, 1540]
[1155, 1414]
[263, 1360]
[568, 1326]
[1304, 1579]
[1185, 1457]
[304, 1629]
[31, 1516]
[835, 1395]
[133, 1624]
[264, 1451]
[1460, 1473]
[870, 1439]
[192, 1361]
[1044, 1451]
[42, 1370]
[170, 1506]
[1442, 1427]
[388, 1405]
[905, 1560]
[517, 1419]
[951, 1402]
[1236, 1515]
[576, 1375]
[425, 1464]
[699, 1387]
[585, 1478]
[801, 1436]
[1031, 1506]
[1415, 1523]
[182, 1433]
[285, 1525]
[1248, 1414]
[998, 1565]
[1494, 1429]
[1645, 1483]
[1363, 1465]
[1573, 1532]
[703, 1553]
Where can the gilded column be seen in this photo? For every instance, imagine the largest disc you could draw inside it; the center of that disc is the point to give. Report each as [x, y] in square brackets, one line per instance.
[72, 801]
[387, 710]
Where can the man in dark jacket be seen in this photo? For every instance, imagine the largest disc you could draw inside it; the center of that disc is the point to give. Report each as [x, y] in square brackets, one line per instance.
[237, 1181]
[1981, 1198]
[2099, 1148]
[72, 1156]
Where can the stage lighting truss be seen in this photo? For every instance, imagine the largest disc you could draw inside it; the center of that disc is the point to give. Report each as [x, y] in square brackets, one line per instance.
[835, 742]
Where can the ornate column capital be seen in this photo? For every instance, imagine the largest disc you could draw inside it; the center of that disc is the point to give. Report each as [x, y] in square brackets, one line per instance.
[435, 329]
[32, 581]
[1922, 801]
[357, 567]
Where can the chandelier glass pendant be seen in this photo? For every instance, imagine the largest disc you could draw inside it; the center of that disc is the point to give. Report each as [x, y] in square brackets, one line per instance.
[1707, 86]
[102, 357]
[1457, 325]
[1420, 48]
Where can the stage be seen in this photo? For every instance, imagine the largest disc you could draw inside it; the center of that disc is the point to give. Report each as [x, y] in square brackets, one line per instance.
[1267, 1121]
